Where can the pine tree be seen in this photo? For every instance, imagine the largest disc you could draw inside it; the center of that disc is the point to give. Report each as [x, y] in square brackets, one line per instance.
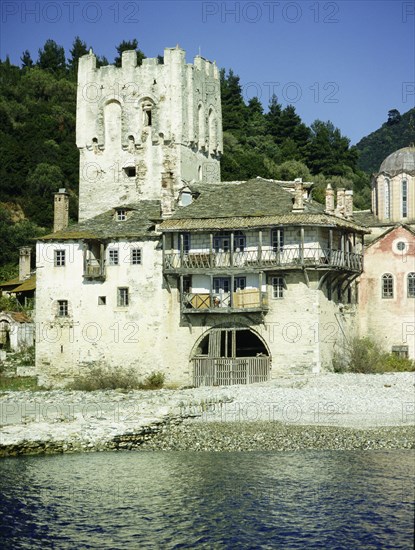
[79, 48]
[52, 58]
[128, 45]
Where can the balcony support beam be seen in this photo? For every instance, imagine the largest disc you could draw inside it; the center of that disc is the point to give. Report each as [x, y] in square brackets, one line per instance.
[260, 288]
[260, 247]
[181, 249]
[232, 247]
[301, 244]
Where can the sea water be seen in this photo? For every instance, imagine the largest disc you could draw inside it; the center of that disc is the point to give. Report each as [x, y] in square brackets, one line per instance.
[287, 500]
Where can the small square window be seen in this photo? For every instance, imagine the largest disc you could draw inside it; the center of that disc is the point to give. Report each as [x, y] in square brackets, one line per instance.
[122, 297]
[121, 215]
[136, 256]
[60, 258]
[102, 300]
[63, 308]
[113, 256]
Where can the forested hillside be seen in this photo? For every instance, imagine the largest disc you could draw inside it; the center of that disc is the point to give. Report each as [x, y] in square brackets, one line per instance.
[397, 132]
[39, 155]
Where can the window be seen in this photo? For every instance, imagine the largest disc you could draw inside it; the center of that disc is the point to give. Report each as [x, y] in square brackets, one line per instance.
[411, 285]
[239, 283]
[187, 284]
[221, 285]
[136, 256]
[60, 258]
[404, 199]
[278, 287]
[239, 241]
[387, 199]
[121, 215]
[63, 308]
[102, 300]
[186, 242]
[387, 286]
[401, 246]
[130, 171]
[222, 241]
[277, 238]
[113, 256]
[147, 114]
[122, 297]
[401, 351]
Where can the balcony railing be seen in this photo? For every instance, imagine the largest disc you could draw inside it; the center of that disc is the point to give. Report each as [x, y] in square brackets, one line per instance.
[225, 302]
[265, 259]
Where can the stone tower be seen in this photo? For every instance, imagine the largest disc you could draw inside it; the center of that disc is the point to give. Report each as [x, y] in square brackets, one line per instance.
[138, 124]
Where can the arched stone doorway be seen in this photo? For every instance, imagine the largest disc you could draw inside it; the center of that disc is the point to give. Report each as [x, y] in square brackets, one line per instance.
[228, 355]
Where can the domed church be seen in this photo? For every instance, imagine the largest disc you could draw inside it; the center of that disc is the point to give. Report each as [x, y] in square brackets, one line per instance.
[387, 284]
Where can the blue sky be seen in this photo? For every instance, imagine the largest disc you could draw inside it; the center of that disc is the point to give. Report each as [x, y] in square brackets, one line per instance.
[345, 61]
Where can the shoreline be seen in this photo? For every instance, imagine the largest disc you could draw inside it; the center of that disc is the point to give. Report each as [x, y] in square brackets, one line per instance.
[327, 412]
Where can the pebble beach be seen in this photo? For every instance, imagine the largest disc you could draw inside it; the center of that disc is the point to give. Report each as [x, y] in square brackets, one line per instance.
[326, 411]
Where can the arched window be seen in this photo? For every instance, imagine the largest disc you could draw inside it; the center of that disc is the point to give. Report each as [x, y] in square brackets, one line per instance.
[387, 285]
[387, 198]
[411, 285]
[404, 199]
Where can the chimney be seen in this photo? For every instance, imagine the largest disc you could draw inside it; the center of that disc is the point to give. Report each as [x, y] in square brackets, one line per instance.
[24, 262]
[348, 204]
[298, 196]
[340, 202]
[61, 207]
[167, 195]
[329, 199]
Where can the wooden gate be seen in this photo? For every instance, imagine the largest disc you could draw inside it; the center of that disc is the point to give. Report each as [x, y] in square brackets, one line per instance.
[225, 371]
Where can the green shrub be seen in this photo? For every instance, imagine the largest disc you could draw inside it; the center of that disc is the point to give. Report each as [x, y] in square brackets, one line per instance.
[105, 378]
[394, 363]
[102, 378]
[365, 355]
[154, 381]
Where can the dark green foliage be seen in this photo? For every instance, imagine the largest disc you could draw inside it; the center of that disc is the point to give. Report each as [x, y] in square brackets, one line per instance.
[52, 58]
[397, 132]
[79, 48]
[128, 45]
[14, 235]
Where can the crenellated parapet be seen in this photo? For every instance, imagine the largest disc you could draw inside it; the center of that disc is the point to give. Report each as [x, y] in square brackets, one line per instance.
[136, 122]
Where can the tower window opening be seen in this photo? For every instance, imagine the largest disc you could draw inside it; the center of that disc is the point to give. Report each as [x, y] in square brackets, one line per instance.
[147, 115]
[130, 171]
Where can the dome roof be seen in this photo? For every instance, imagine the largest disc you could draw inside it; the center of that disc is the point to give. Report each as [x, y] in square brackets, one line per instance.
[402, 160]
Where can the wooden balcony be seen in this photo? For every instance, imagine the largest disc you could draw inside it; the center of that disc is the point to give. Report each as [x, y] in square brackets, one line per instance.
[262, 260]
[243, 301]
[94, 269]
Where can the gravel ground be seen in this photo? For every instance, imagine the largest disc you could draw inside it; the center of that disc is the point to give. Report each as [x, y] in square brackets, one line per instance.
[329, 411]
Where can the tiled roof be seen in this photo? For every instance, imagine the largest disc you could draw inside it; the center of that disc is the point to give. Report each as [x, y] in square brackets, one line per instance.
[17, 316]
[140, 222]
[258, 221]
[28, 284]
[253, 203]
[11, 282]
[256, 197]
